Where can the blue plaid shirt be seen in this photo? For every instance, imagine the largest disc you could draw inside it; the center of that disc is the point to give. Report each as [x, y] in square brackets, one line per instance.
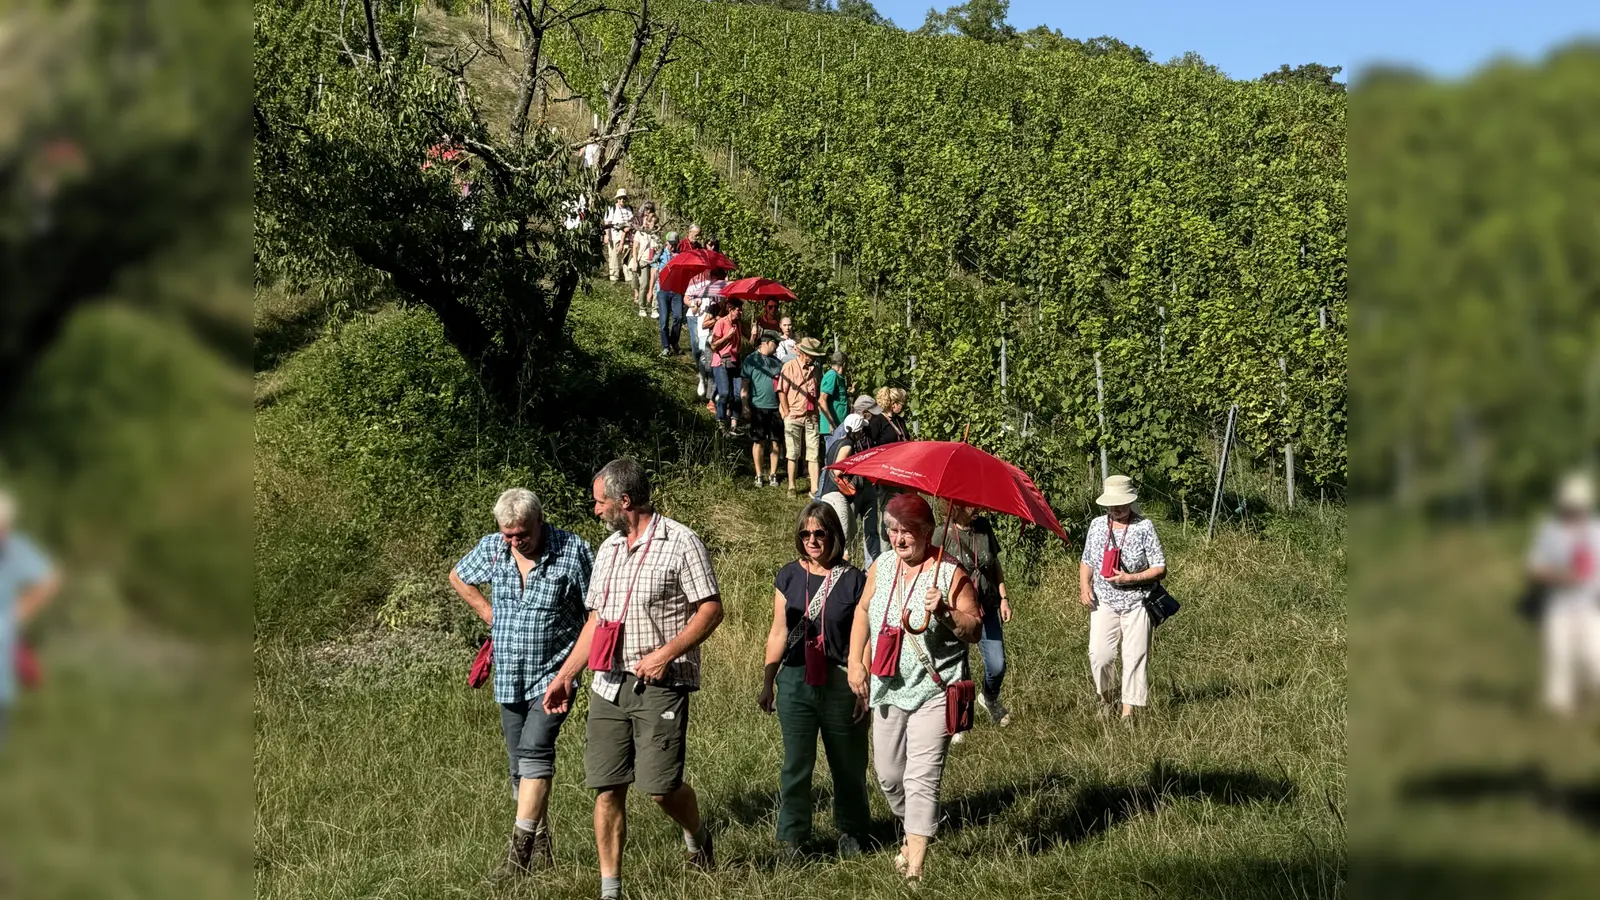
[535, 625]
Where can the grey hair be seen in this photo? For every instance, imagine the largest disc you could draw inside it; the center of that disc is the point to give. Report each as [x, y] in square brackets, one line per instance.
[518, 506]
[625, 477]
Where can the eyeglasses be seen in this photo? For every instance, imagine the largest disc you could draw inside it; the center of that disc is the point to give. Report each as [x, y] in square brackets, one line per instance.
[813, 536]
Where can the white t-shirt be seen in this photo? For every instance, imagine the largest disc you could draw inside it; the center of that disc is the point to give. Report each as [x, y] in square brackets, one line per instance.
[591, 155]
[618, 218]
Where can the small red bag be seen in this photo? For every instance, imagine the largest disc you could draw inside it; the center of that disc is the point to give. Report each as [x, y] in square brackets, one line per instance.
[479, 673]
[816, 663]
[28, 673]
[1110, 561]
[603, 649]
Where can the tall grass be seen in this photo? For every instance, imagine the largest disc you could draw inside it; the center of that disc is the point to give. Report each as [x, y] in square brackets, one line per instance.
[380, 774]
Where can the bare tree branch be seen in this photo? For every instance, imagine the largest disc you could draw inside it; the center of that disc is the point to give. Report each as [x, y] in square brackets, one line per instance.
[374, 42]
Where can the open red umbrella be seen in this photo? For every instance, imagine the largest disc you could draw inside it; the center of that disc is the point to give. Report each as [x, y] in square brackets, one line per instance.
[958, 472]
[682, 267]
[757, 289]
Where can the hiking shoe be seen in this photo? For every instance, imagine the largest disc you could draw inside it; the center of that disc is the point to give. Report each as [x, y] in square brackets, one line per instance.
[544, 851]
[705, 858]
[997, 713]
[848, 846]
[1107, 710]
[518, 855]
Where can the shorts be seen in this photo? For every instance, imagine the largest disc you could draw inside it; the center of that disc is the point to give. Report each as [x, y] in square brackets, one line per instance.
[530, 738]
[640, 739]
[765, 426]
[803, 439]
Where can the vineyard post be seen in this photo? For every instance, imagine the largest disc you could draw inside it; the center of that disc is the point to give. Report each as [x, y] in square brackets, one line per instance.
[1002, 351]
[1100, 395]
[1163, 336]
[1288, 447]
[869, 81]
[730, 162]
[697, 81]
[1322, 317]
[663, 103]
[913, 366]
[1222, 467]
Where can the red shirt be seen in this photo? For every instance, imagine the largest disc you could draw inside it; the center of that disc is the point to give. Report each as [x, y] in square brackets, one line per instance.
[725, 325]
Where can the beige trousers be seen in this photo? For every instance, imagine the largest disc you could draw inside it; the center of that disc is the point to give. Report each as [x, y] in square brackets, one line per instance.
[1571, 651]
[1131, 630]
[908, 750]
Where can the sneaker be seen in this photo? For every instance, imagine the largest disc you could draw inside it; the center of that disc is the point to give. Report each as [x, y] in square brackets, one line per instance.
[848, 846]
[759, 482]
[997, 713]
[705, 858]
[665, 353]
[643, 314]
[700, 386]
[774, 482]
[959, 737]
[655, 313]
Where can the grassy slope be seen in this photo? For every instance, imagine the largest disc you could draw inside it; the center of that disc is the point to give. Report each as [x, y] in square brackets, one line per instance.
[378, 773]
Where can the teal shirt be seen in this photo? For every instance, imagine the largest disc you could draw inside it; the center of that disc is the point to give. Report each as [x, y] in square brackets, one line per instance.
[22, 566]
[760, 370]
[833, 385]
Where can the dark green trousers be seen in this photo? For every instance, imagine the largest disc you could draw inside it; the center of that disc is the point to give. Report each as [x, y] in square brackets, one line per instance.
[804, 713]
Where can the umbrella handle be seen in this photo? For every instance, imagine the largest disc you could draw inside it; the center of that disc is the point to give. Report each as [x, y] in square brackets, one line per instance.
[905, 621]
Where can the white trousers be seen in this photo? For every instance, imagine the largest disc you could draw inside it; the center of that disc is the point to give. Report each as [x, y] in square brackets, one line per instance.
[908, 751]
[1571, 651]
[1108, 629]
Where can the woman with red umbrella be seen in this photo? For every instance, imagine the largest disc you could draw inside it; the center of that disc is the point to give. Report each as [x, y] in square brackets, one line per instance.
[901, 673]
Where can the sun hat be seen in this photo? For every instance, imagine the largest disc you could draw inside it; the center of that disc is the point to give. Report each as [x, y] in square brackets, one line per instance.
[622, 193]
[1118, 491]
[811, 347]
[865, 404]
[1576, 493]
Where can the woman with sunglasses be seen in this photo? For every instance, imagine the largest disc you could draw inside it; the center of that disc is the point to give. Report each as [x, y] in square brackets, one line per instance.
[813, 608]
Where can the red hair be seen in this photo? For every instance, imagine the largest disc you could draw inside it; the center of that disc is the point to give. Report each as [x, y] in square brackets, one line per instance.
[910, 512]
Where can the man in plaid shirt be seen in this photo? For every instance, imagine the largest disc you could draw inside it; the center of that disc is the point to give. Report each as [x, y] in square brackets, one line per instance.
[652, 577]
[537, 576]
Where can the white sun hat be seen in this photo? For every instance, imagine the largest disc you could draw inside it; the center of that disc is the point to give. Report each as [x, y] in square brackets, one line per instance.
[1117, 491]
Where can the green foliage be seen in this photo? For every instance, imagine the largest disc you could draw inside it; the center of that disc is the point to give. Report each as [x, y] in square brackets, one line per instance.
[981, 20]
[1314, 74]
[1083, 192]
[346, 188]
[1476, 371]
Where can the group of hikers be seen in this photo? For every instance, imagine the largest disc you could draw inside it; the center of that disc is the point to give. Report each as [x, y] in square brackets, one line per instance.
[865, 658]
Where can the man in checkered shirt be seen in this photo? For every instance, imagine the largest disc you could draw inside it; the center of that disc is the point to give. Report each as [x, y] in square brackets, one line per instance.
[537, 577]
[654, 577]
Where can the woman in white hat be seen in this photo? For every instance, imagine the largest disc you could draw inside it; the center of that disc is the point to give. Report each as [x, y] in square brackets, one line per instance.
[1565, 559]
[1121, 558]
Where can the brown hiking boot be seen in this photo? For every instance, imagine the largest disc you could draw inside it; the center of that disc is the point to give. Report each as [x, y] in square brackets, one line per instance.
[518, 855]
[543, 855]
[703, 859]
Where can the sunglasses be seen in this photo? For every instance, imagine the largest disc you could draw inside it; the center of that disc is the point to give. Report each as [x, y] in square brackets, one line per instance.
[813, 535]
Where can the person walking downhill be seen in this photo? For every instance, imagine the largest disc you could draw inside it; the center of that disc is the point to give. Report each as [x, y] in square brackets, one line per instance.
[725, 363]
[834, 391]
[797, 403]
[619, 226]
[1565, 559]
[28, 582]
[1121, 558]
[845, 493]
[787, 339]
[971, 542]
[652, 602]
[669, 304]
[761, 402]
[890, 669]
[640, 270]
[807, 683]
[696, 307]
[537, 577]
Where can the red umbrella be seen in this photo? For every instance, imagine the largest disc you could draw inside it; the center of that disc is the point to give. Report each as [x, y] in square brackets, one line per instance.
[958, 472]
[675, 275]
[757, 289]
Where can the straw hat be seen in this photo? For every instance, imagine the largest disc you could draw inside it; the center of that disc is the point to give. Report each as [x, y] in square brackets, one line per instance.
[811, 347]
[1118, 491]
[622, 193]
[1576, 493]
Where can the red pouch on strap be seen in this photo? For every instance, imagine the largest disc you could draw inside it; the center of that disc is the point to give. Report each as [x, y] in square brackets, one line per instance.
[816, 662]
[27, 666]
[479, 673]
[603, 649]
[886, 654]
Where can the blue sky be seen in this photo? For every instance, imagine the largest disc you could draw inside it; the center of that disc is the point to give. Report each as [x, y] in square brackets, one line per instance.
[1248, 37]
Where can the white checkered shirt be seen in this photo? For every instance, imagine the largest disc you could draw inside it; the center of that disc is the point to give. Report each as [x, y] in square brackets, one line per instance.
[669, 583]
